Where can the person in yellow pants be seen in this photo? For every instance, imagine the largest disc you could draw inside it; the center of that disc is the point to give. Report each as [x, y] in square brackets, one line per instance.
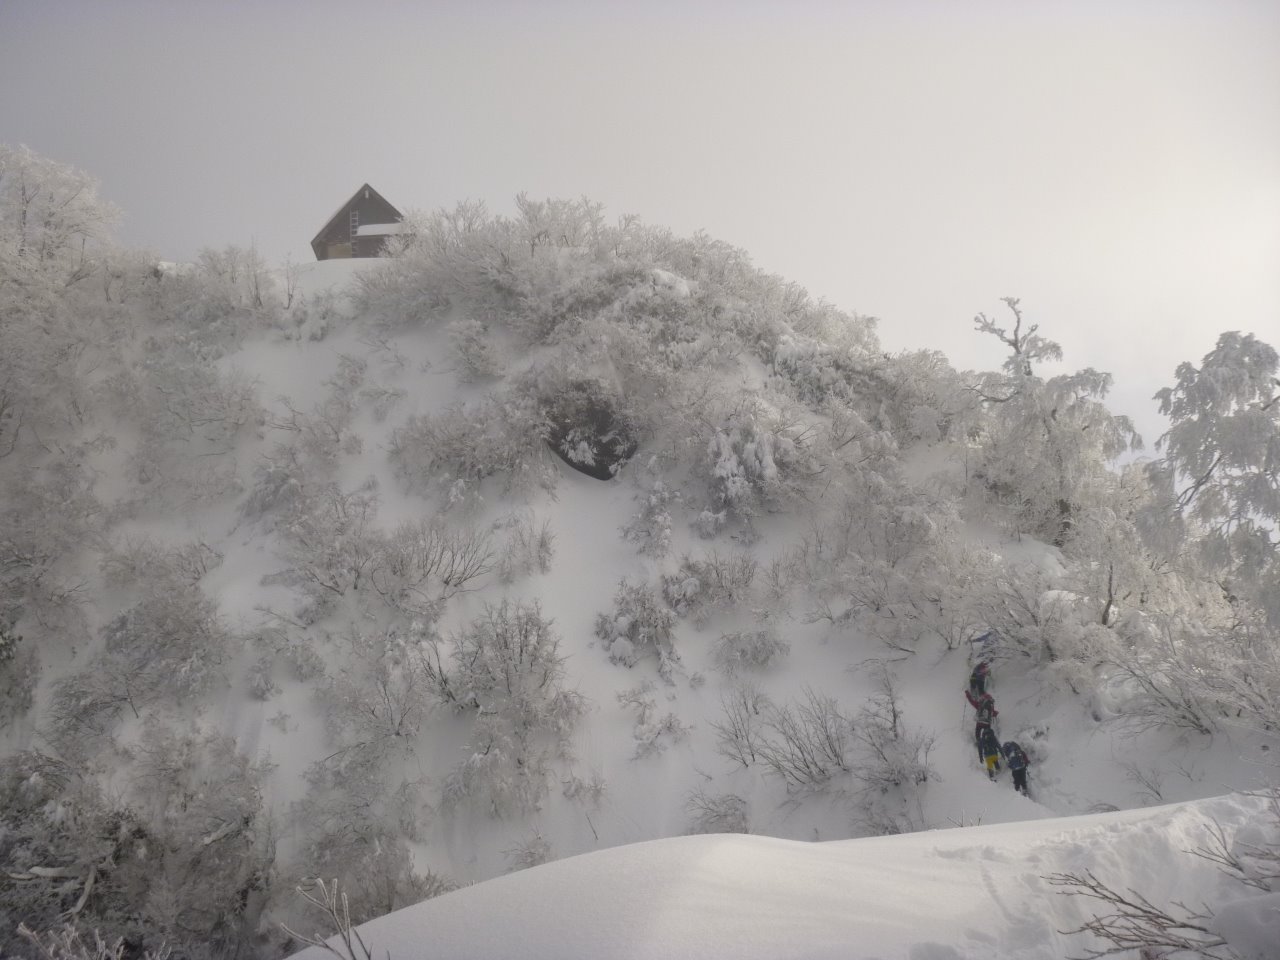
[989, 746]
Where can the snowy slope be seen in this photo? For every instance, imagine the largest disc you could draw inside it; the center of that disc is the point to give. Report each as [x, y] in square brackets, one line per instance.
[611, 870]
[1078, 763]
[944, 895]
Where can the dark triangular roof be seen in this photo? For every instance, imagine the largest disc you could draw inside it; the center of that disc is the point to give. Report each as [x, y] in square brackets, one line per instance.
[346, 206]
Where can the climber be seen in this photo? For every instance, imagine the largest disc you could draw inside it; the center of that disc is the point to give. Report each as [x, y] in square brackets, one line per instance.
[978, 679]
[1017, 760]
[989, 750]
[985, 705]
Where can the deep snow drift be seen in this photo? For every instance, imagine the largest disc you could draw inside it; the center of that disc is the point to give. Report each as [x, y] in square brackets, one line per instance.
[976, 892]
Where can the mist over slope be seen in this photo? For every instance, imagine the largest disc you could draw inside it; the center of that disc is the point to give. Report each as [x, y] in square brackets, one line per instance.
[548, 534]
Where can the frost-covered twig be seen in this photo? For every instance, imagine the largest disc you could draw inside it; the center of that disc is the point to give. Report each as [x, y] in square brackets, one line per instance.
[68, 944]
[333, 903]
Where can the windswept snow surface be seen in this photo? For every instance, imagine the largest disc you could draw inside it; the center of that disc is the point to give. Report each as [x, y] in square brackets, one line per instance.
[977, 892]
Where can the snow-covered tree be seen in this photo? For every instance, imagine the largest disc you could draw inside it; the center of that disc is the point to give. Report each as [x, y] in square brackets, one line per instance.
[356, 821]
[52, 221]
[1222, 462]
[1046, 443]
[169, 646]
[379, 700]
[329, 544]
[508, 668]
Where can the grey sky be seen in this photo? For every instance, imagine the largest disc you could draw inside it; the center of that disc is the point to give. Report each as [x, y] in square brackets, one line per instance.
[1116, 165]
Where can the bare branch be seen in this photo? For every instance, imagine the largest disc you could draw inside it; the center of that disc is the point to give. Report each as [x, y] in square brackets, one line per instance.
[1136, 923]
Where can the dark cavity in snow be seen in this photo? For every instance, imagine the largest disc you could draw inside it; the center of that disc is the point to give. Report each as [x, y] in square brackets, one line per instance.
[588, 430]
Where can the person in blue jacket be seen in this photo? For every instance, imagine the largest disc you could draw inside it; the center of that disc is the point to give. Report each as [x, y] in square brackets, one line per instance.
[1017, 760]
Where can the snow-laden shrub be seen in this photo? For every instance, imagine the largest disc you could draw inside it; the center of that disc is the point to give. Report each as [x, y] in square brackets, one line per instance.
[650, 528]
[508, 661]
[500, 436]
[909, 397]
[88, 851]
[321, 435]
[450, 258]
[382, 400]
[70, 942]
[179, 856]
[739, 735]
[168, 647]
[329, 545]
[893, 765]
[716, 813]
[708, 523]
[475, 356]
[639, 626]
[530, 852]
[190, 414]
[922, 398]
[1162, 673]
[713, 582]
[212, 852]
[530, 547]
[819, 370]
[1176, 671]
[355, 821]
[654, 730]
[219, 299]
[19, 673]
[806, 743]
[1031, 619]
[292, 646]
[379, 701]
[589, 791]
[312, 317]
[259, 679]
[143, 560]
[48, 511]
[556, 284]
[894, 755]
[278, 484]
[759, 459]
[889, 561]
[501, 774]
[507, 667]
[748, 650]
[424, 562]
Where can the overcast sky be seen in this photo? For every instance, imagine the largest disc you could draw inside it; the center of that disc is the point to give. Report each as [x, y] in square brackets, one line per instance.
[1114, 164]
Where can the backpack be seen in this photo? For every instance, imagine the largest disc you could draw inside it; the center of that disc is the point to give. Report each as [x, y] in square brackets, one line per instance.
[986, 709]
[1014, 756]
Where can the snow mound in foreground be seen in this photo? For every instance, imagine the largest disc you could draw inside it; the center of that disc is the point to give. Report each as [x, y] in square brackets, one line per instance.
[942, 895]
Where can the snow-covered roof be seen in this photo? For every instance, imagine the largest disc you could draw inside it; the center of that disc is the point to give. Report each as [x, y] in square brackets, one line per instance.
[380, 229]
